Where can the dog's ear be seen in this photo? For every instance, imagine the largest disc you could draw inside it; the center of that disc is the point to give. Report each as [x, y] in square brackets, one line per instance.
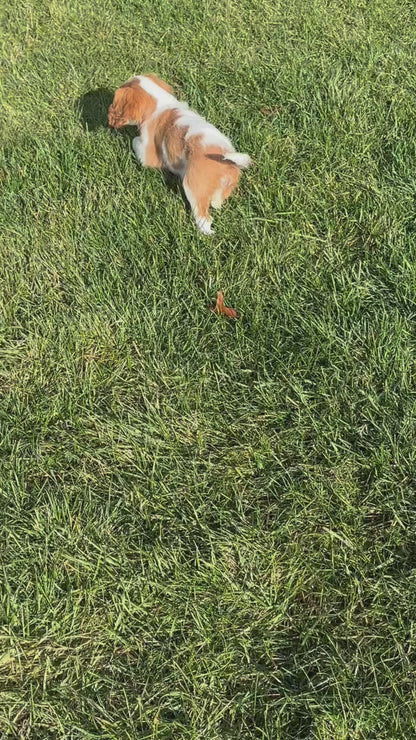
[161, 83]
[128, 105]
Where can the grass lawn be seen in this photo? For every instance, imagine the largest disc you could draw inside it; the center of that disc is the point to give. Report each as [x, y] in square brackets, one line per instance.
[208, 528]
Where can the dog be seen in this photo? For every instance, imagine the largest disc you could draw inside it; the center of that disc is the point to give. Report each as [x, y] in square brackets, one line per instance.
[174, 138]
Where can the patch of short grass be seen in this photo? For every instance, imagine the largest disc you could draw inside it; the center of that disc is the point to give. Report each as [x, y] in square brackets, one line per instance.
[207, 528]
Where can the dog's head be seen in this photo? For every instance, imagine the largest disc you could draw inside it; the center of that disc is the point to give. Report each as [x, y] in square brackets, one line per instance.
[129, 106]
[132, 104]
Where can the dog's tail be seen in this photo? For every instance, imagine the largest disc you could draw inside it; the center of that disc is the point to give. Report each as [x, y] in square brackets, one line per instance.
[241, 160]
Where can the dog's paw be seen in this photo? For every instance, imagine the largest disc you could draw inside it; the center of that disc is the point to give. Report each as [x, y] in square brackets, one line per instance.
[204, 226]
[138, 151]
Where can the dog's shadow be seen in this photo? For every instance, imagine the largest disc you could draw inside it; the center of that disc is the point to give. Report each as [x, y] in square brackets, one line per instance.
[173, 185]
[93, 111]
[93, 108]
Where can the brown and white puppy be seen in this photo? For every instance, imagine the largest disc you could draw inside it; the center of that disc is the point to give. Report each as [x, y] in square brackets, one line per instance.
[175, 138]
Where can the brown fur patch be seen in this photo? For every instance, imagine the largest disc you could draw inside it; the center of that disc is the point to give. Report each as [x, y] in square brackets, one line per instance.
[131, 105]
[205, 178]
[172, 137]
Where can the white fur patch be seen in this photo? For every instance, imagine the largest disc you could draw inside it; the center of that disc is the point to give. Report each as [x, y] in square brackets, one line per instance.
[191, 200]
[140, 145]
[162, 97]
[217, 199]
[204, 226]
[241, 160]
[165, 157]
[198, 126]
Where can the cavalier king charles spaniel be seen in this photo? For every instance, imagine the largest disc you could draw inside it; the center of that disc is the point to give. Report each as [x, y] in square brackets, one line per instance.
[174, 138]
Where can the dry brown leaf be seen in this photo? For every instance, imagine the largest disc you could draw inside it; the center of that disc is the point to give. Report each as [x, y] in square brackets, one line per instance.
[221, 308]
[271, 112]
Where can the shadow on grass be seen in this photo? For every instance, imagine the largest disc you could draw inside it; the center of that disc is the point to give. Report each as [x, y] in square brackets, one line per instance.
[93, 108]
[93, 111]
[173, 184]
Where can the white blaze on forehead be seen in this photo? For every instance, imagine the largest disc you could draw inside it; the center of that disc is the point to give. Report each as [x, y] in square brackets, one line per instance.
[158, 93]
